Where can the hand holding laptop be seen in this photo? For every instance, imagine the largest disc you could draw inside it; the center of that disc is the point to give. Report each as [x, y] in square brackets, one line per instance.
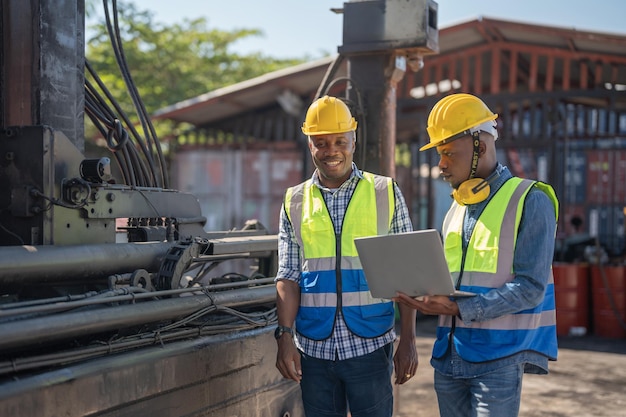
[429, 304]
[412, 263]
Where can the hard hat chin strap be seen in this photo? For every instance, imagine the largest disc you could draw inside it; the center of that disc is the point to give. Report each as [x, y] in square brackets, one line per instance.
[476, 145]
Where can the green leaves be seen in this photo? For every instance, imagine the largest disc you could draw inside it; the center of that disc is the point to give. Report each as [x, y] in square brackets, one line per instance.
[171, 63]
[167, 64]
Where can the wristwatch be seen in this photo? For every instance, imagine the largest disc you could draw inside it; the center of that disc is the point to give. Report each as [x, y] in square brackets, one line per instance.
[282, 329]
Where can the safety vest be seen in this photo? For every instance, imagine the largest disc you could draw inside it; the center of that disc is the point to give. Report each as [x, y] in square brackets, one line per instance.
[332, 277]
[488, 264]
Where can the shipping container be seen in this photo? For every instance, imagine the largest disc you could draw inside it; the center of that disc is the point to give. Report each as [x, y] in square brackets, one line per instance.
[619, 177]
[237, 185]
[601, 184]
[575, 177]
[526, 163]
[572, 234]
[606, 222]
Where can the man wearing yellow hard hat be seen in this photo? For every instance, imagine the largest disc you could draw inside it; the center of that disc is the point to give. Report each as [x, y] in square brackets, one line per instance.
[341, 348]
[499, 236]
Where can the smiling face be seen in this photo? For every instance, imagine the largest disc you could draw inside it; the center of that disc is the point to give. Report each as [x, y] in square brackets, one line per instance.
[332, 155]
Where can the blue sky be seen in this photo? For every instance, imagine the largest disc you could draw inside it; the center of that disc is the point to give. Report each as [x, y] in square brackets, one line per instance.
[295, 28]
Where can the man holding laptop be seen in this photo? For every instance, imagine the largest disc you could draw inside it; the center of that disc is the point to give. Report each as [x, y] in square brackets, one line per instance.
[340, 350]
[498, 237]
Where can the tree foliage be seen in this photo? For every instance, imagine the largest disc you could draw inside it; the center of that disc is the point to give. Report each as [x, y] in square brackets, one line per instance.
[171, 63]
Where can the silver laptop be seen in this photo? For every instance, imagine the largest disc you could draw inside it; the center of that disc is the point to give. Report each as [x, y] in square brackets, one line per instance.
[412, 263]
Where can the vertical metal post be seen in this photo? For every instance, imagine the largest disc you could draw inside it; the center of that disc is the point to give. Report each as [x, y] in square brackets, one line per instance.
[380, 37]
[376, 76]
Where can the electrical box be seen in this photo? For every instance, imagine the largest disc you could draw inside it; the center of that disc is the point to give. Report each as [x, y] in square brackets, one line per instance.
[403, 26]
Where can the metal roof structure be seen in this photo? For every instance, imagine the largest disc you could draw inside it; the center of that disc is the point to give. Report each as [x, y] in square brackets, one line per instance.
[302, 80]
[247, 96]
[560, 94]
[487, 30]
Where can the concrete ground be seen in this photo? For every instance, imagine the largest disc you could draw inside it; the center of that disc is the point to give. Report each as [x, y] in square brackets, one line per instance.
[587, 380]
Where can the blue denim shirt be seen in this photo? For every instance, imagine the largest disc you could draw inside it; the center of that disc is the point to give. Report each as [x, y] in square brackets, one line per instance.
[533, 256]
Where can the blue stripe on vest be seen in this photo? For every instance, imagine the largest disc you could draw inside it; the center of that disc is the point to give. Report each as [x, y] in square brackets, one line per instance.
[505, 342]
[370, 320]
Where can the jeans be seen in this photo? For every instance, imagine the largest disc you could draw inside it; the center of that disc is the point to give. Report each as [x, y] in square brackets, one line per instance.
[361, 384]
[495, 394]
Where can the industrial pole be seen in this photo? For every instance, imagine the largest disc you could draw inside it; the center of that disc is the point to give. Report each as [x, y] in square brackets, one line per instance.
[378, 76]
[380, 39]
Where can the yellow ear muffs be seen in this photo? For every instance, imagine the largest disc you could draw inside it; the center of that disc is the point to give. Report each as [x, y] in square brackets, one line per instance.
[474, 190]
[471, 191]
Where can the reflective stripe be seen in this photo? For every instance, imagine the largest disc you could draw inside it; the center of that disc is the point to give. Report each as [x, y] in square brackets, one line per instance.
[511, 219]
[475, 279]
[319, 264]
[318, 300]
[385, 201]
[293, 207]
[352, 299]
[327, 264]
[361, 298]
[508, 322]
[351, 262]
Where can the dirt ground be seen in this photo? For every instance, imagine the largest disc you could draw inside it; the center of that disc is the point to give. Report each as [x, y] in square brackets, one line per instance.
[587, 380]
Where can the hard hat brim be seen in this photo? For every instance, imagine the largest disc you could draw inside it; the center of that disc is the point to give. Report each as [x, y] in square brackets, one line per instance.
[326, 132]
[457, 135]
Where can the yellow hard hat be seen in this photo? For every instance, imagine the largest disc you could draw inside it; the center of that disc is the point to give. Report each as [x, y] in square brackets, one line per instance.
[328, 115]
[453, 116]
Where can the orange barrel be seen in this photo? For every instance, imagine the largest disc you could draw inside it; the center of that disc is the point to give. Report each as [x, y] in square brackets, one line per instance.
[571, 292]
[608, 318]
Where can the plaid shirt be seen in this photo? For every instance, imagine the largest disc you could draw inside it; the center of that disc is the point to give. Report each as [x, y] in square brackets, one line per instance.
[342, 344]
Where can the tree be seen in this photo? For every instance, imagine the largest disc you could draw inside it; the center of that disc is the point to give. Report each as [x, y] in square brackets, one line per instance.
[135, 66]
[171, 63]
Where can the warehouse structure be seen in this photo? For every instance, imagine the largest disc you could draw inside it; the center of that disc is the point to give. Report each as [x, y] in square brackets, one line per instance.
[560, 94]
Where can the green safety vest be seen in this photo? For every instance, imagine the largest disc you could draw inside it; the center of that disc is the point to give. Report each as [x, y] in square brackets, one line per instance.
[332, 277]
[488, 264]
